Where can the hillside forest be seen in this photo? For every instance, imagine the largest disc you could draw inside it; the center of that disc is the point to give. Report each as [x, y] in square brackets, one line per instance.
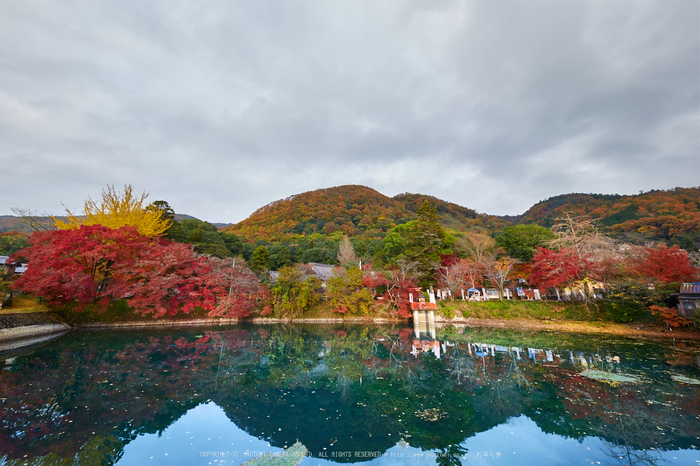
[627, 253]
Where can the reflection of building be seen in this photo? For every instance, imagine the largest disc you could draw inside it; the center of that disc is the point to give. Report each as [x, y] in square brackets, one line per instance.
[423, 346]
[424, 318]
[424, 335]
[424, 324]
[538, 355]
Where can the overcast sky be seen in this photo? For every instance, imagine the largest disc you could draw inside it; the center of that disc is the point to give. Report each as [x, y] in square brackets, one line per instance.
[220, 107]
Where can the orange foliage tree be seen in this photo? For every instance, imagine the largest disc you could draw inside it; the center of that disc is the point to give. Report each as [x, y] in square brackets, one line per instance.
[666, 265]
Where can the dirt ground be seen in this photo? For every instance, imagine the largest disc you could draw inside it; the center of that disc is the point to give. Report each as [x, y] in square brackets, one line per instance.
[632, 330]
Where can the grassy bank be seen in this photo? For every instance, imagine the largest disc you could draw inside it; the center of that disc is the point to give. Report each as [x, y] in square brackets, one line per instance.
[527, 310]
[23, 304]
[523, 315]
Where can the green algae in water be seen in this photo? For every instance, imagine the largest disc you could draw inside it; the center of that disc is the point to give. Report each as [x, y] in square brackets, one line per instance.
[290, 457]
[611, 378]
[688, 380]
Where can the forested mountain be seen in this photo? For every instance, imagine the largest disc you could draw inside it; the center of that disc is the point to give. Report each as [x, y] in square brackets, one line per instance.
[672, 215]
[453, 216]
[350, 209]
[11, 223]
[353, 210]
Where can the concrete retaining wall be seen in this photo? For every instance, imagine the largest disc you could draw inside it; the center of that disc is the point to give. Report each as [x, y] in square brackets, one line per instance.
[25, 331]
[18, 330]
[9, 345]
[163, 324]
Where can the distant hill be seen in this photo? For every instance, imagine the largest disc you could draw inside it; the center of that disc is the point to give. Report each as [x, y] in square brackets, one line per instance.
[12, 223]
[661, 215]
[9, 223]
[453, 216]
[353, 210]
[350, 209]
[672, 215]
[179, 217]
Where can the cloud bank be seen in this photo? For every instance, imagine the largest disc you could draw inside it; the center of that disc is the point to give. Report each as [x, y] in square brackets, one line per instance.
[221, 107]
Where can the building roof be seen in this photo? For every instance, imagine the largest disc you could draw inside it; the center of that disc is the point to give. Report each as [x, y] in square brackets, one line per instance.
[690, 288]
[323, 271]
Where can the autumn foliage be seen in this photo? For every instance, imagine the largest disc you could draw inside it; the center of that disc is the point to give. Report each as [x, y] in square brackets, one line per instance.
[97, 265]
[117, 210]
[666, 265]
[555, 268]
[657, 215]
[670, 316]
[352, 210]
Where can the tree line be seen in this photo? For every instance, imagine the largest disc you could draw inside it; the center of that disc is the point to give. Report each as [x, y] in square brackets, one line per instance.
[122, 248]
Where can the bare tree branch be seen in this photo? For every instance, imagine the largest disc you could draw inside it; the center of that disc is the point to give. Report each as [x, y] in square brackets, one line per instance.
[31, 221]
[476, 245]
[346, 253]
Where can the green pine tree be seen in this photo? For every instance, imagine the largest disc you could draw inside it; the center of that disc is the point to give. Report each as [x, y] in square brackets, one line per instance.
[426, 240]
[260, 261]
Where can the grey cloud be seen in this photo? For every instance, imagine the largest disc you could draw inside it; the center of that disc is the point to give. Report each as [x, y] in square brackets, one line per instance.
[221, 107]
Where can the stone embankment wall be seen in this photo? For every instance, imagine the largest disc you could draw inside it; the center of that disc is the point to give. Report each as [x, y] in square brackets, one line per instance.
[19, 326]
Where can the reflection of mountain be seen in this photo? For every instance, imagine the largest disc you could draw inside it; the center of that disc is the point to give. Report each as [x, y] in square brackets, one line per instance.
[342, 389]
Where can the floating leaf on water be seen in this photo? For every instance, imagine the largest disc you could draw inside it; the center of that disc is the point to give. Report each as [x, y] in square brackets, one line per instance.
[431, 415]
[611, 378]
[683, 379]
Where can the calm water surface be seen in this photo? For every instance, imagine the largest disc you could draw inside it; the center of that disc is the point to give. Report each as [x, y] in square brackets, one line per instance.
[350, 394]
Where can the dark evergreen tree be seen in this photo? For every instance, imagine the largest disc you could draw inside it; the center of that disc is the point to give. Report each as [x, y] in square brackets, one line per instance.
[260, 261]
[425, 241]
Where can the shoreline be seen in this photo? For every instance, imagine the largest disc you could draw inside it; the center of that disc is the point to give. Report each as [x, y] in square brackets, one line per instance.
[24, 326]
[49, 325]
[606, 328]
[587, 327]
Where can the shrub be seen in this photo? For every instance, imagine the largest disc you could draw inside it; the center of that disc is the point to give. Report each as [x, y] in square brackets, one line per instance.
[627, 301]
[625, 310]
[447, 309]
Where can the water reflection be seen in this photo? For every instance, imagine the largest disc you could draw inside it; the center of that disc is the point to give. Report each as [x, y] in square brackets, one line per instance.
[348, 394]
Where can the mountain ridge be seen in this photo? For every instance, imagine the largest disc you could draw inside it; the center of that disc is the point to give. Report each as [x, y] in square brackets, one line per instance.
[668, 215]
[360, 210]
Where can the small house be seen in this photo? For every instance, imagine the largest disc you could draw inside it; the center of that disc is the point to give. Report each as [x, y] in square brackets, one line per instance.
[9, 267]
[688, 299]
[323, 272]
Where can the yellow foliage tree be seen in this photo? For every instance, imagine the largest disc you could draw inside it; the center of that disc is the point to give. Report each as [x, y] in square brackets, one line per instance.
[118, 210]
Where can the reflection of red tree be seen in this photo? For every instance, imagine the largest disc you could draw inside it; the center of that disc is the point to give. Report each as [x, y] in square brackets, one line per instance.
[683, 355]
[584, 397]
[629, 411]
[80, 401]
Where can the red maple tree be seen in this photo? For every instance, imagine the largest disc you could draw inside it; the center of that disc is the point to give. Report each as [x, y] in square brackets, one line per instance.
[666, 265]
[96, 265]
[399, 288]
[554, 268]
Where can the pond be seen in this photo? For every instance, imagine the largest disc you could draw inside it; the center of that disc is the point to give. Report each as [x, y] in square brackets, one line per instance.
[347, 394]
